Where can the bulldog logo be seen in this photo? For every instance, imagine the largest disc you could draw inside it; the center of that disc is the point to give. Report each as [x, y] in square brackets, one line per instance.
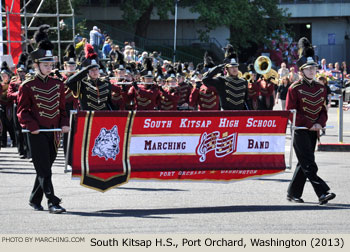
[107, 143]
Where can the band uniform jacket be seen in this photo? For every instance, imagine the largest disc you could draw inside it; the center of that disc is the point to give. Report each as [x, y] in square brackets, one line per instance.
[169, 99]
[72, 101]
[266, 94]
[184, 90]
[6, 103]
[144, 97]
[93, 94]
[118, 97]
[253, 95]
[41, 103]
[205, 98]
[309, 100]
[12, 91]
[233, 91]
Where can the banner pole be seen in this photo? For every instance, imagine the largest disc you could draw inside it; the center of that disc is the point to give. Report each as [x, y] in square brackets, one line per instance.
[292, 139]
[42, 130]
[72, 113]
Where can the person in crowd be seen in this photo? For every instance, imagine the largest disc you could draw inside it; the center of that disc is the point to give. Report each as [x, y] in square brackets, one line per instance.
[283, 71]
[293, 76]
[282, 92]
[95, 39]
[107, 48]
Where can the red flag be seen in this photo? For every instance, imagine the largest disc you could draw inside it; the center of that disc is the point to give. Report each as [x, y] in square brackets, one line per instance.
[14, 28]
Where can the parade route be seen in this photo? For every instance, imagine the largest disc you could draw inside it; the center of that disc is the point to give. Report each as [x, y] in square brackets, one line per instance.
[141, 207]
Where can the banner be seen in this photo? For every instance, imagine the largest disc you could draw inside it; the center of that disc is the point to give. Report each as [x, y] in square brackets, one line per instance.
[14, 28]
[109, 148]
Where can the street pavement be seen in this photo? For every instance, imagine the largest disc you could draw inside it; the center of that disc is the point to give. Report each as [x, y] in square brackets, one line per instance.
[256, 206]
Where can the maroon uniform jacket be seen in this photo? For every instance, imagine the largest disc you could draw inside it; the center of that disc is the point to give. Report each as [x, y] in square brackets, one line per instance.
[144, 98]
[184, 91]
[266, 88]
[169, 99]
[41, 104]
[118, 97]
[253, 94]
[205, 98]
[310, 102]
[12, 91]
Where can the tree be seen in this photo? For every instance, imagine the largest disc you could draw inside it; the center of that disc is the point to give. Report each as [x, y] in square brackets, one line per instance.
[251, 22]
[137, 13]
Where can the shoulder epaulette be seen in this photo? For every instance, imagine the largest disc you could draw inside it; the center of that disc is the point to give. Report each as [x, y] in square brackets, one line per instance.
[296, 84]
[28, 79]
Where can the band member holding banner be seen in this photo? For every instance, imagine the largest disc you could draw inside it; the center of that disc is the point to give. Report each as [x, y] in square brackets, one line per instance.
[72, 102]
[41, 105]
[232, 90]
[94, 92]
[307, 97]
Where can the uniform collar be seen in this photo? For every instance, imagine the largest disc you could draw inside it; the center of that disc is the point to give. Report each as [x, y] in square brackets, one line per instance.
[42, 78]
[308, 82]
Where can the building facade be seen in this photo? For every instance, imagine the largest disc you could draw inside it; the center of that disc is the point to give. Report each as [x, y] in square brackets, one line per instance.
[325, 22]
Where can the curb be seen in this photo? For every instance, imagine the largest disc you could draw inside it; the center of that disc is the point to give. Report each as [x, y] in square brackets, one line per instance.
[341, 147]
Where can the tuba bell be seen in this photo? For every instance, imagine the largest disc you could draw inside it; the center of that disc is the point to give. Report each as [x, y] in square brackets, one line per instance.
[247, 76]
[262, 65]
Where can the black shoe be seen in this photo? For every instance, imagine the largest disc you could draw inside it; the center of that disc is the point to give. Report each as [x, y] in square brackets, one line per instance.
[294, 199]
[324, 198]
[37, 207]
[56, 209]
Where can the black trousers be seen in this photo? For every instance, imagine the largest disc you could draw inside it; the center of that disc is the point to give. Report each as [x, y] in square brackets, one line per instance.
[43, 154]
[304, 146]
[8, 126]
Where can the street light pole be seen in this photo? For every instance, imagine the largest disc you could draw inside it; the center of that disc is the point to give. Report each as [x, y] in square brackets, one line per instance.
[174, 55]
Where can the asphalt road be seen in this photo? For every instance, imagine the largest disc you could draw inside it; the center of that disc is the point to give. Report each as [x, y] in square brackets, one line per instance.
[245, 207]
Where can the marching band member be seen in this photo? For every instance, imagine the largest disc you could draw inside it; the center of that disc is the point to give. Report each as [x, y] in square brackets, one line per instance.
[41, 104]
[184, 89]
[232, 89]
[94, 92]
[203, 97]
[253, 92]
[6, 107]
[267, 93]
[145, 96]
[72, 102]
[169, 95]
[308, 98]
[12, 94]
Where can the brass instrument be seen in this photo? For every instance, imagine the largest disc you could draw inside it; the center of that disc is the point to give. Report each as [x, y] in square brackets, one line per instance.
[247, 76]
[273, 75]
[240, 74]
[262, 65]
